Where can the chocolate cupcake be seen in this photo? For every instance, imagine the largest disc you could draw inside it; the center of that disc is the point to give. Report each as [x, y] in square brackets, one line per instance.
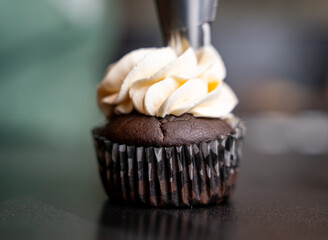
[170, 138]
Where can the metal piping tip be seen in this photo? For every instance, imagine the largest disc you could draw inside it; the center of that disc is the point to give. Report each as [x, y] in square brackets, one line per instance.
[186, 23]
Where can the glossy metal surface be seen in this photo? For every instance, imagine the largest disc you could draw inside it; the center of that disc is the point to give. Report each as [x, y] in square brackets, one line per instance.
[186, 22]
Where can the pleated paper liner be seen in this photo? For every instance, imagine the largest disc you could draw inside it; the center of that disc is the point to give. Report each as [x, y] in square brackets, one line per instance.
[188, 175]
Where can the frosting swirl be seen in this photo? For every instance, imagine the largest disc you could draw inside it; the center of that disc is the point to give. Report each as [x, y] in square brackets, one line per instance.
[158, 82]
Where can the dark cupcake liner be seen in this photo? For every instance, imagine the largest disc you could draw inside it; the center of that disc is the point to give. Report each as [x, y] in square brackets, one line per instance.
[188, 175]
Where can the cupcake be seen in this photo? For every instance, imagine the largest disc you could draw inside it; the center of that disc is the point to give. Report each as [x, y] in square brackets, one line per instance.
[170, 138]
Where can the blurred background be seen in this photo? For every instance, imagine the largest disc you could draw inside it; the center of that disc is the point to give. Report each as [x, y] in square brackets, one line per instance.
[53, 53]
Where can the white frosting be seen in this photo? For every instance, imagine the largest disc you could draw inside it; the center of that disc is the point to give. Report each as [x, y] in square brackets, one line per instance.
[158, 82]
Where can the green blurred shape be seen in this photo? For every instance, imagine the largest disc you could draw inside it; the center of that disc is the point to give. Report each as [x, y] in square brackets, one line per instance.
[49, 69]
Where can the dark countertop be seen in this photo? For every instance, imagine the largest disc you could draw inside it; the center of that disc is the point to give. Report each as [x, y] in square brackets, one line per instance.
[276, 197]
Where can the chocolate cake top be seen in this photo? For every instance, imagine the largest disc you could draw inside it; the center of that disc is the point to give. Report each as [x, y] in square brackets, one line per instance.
[140, 130]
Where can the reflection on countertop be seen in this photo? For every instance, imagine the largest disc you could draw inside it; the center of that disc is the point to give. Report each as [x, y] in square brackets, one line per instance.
[213, 222]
